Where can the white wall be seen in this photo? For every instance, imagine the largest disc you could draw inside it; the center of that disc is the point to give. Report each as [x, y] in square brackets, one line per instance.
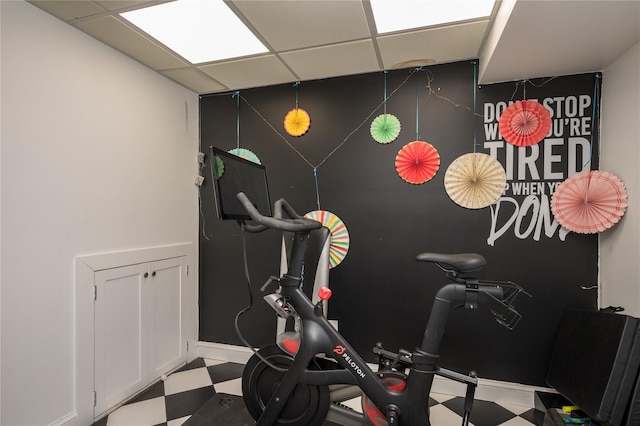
[98, 155]
[0, 228]
[620, 155]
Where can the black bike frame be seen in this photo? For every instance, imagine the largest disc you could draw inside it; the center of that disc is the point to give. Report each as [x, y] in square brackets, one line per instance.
[318, 336]
[408, 407]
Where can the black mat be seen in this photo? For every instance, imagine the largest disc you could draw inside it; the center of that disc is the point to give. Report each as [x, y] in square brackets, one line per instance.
[227, 410]
[222, 409]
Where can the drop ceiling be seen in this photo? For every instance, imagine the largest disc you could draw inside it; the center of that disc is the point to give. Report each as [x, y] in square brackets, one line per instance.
[315, 39]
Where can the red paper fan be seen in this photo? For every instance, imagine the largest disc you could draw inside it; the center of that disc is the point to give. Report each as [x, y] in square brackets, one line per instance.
[589, 202]
[417, 162]
[524, 123]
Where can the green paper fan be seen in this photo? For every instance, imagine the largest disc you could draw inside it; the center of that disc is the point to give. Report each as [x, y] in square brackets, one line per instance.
[385, 128]
[219, 166]
[246, 154]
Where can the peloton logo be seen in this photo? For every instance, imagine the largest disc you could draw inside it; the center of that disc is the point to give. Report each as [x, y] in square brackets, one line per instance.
[341, 350]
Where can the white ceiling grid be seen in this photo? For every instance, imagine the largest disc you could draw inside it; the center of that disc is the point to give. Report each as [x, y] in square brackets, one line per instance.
[314, 39]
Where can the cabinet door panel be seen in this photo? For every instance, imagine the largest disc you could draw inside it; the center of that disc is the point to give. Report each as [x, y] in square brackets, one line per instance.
[120, 336]
[167, 341]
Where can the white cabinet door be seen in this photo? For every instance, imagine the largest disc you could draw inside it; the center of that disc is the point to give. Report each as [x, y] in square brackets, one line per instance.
[167, 332]
[139, 328]
[121, 337]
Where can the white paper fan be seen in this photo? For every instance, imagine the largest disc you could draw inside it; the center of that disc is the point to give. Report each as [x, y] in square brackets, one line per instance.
[475, 180]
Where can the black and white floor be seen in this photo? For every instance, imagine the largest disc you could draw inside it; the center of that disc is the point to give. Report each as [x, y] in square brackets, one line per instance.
[173, 401]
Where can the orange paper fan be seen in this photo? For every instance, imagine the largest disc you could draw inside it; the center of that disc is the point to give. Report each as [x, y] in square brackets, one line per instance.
[417, 162]
[524, 123]
[297, 122]
[590, 202]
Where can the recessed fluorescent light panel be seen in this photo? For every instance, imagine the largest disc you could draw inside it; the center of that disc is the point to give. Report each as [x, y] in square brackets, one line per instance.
[198, 30]
[398, 15]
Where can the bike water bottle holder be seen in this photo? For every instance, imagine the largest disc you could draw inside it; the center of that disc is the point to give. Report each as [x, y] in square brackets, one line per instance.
[277, 302]
[509, 318]
[507, 315]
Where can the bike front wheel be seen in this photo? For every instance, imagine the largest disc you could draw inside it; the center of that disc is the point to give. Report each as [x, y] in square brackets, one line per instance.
[307, 405]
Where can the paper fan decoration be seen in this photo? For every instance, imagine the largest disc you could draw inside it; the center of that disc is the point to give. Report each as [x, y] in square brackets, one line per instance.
[524, 123]
[417, 162]
[246, 154]
[475, 180]
[385, 128]
[589, 202]
[297, 122]
[219, 166]
[339, 235]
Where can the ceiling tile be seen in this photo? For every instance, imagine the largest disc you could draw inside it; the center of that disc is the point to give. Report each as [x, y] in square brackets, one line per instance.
[250, 72]
[288, 25]
[127, 4]
[194, 79]
[600, 32]
[443, 44]
[331, 61]
[68, 10]
[314, 39]
[129, 41]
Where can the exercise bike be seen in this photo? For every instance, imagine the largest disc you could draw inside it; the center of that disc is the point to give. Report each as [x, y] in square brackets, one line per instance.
[305, 377]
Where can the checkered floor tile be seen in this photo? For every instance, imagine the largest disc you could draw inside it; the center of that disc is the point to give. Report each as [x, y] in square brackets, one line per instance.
[173, 401]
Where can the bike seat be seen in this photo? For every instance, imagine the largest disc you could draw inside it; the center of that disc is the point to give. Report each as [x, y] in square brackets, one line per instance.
[462, 262]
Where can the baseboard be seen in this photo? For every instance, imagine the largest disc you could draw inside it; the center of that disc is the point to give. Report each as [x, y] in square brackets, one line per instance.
[223, 352]
[487, 390]
[495, 390]
[66, 420]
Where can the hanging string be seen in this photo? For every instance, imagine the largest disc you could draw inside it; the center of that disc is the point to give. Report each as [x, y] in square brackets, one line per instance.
[524, 88]
[366, 119]
[296, 85]
[377, 108]
[593, 117]
[417, 106]
[532, 83]
[315, 176]
[515, 90]
[475, 96]
[385, 92]
[236, 95]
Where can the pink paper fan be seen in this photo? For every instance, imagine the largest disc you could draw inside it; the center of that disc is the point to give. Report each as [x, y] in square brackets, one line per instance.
[589, 202]
[417, 162]
[524, 123]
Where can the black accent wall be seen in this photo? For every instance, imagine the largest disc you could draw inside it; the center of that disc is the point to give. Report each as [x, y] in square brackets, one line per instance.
[380, 293]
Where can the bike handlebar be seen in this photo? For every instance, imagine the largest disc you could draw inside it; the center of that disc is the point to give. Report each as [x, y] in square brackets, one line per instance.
[284, 217]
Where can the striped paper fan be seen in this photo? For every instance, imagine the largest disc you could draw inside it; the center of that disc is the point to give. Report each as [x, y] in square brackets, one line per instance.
[339, 235]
